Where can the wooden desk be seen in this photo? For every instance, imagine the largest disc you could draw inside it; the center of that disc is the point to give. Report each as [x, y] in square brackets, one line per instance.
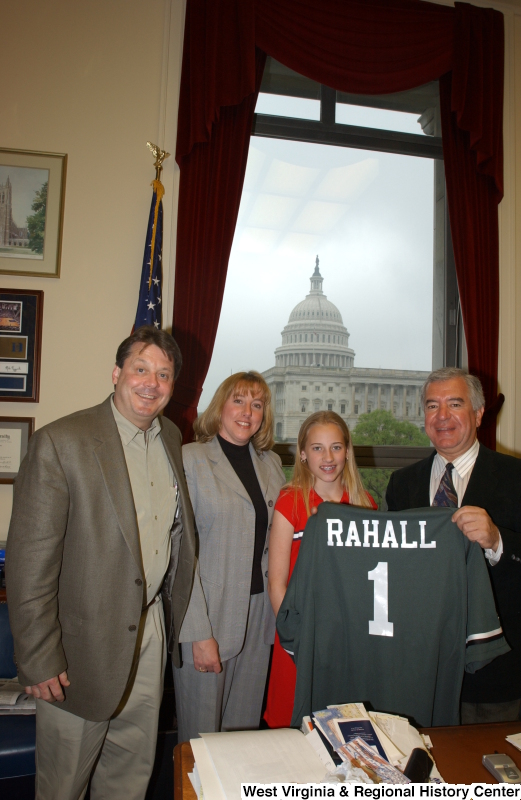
[456, 750]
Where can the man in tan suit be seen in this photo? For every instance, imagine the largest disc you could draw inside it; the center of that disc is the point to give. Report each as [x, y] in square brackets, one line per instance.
[102, 525]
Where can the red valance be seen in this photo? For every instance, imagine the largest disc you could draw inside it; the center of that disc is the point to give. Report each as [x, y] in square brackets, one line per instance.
[356, 46]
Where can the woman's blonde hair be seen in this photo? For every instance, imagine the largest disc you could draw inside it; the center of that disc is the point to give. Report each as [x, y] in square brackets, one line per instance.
[208, 424]
[303, 479]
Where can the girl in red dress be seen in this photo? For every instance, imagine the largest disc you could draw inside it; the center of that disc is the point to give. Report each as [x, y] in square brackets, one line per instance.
[326, 470]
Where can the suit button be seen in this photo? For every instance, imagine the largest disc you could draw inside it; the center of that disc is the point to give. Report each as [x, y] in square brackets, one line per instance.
[270, 503]
[132, 627]
[265, 551]
[139, 582]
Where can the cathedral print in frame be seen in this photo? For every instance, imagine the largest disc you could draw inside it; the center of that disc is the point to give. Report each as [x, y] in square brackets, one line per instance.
[32, 195]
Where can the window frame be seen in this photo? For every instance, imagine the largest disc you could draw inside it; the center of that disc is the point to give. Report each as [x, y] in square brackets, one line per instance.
[448, 335]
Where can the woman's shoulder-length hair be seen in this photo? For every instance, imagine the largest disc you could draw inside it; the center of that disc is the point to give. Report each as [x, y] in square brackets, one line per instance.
[208, 424]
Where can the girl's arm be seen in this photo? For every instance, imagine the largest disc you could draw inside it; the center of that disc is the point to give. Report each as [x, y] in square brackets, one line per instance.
[281, 538]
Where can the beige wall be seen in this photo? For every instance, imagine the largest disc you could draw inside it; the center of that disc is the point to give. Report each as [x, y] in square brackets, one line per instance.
[95, 80]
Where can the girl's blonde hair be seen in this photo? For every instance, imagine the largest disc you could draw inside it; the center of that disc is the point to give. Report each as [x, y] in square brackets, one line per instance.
[303, 479]
[208, 424]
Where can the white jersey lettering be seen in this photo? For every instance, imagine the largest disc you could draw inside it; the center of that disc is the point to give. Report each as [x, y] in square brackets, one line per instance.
[373, 533]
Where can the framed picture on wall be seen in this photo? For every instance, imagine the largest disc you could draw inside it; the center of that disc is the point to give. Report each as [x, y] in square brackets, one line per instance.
[21, 314]
[32, 196]
[15, 433]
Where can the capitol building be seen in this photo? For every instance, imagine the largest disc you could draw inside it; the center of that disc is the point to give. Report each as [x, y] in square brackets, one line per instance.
[315, 370]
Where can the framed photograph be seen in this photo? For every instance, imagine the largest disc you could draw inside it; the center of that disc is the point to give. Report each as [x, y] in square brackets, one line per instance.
[14, 437]
[21, 314]
[32, 196]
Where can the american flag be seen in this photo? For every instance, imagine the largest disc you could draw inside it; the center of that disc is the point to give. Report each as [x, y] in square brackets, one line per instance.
[149, 309]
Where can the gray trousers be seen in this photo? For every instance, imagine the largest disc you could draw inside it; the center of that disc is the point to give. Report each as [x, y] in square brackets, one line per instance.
[120, 750]
[230, 700]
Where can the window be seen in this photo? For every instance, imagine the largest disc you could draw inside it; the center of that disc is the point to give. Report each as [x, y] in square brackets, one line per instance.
[330, 406]
[343, 408]
[304, 388]
[303, 408]
[323, 173]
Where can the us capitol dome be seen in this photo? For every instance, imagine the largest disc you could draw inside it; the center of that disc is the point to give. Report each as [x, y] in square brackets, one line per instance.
[315, 370]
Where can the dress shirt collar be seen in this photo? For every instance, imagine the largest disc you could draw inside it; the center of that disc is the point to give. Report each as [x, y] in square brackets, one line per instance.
[128, 431]
[463, 464]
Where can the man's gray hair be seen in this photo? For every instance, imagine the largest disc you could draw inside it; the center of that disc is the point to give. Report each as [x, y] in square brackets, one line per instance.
[477, 398]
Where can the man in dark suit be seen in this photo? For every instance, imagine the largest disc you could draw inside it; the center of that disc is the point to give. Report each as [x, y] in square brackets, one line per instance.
[101, 525]
[486, 486]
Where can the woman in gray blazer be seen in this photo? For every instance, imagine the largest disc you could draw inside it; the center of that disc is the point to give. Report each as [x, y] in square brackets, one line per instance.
[234, 480]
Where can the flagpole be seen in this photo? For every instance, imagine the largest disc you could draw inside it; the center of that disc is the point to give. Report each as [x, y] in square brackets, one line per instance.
[149, 307]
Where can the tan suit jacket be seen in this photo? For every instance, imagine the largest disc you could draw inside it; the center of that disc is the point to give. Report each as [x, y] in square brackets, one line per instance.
[225, 519]
[75, 578]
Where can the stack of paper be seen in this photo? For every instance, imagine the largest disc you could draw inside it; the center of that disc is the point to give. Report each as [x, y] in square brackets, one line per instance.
[14, 700]
[225, 760]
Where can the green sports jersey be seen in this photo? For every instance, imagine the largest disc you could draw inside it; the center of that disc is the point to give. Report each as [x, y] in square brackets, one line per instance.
[389, 609]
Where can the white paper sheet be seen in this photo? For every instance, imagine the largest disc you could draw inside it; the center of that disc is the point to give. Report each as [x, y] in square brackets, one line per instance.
[316, 744]
[196, 783]
[210, 782]
[269, 756]
[515, 739]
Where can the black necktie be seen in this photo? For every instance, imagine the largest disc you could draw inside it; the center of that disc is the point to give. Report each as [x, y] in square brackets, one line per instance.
[446, 496]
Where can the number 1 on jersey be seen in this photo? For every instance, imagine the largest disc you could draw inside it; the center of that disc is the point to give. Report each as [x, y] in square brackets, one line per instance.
[380, 625]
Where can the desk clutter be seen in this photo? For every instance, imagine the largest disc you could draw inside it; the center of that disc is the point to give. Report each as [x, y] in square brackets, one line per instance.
[339, 744]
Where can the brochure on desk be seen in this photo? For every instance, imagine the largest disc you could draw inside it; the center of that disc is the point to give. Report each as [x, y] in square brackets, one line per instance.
[363, 729]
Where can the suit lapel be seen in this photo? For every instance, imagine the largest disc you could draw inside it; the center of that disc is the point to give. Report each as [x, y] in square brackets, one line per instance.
[172, 445]
[111, 459]
[173, 452]
[223, 470]
[483, 479]
[262, 470]
[419, 487]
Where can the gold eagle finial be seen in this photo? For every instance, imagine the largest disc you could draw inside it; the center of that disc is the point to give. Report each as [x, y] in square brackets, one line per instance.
[160, 156]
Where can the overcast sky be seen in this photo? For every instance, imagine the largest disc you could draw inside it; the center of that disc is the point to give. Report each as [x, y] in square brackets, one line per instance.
[368, 216]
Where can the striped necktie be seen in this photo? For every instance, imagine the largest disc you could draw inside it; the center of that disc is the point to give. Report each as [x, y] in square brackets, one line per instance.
[446, 496]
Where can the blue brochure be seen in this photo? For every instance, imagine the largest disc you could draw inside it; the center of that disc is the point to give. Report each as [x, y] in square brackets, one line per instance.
[363, 728]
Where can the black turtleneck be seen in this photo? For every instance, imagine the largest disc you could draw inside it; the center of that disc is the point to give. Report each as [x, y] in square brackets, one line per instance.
[239, 457]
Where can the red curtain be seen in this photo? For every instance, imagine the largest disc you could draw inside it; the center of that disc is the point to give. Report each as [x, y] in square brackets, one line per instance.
[473, 156]
[357, 46]
[209, 197]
